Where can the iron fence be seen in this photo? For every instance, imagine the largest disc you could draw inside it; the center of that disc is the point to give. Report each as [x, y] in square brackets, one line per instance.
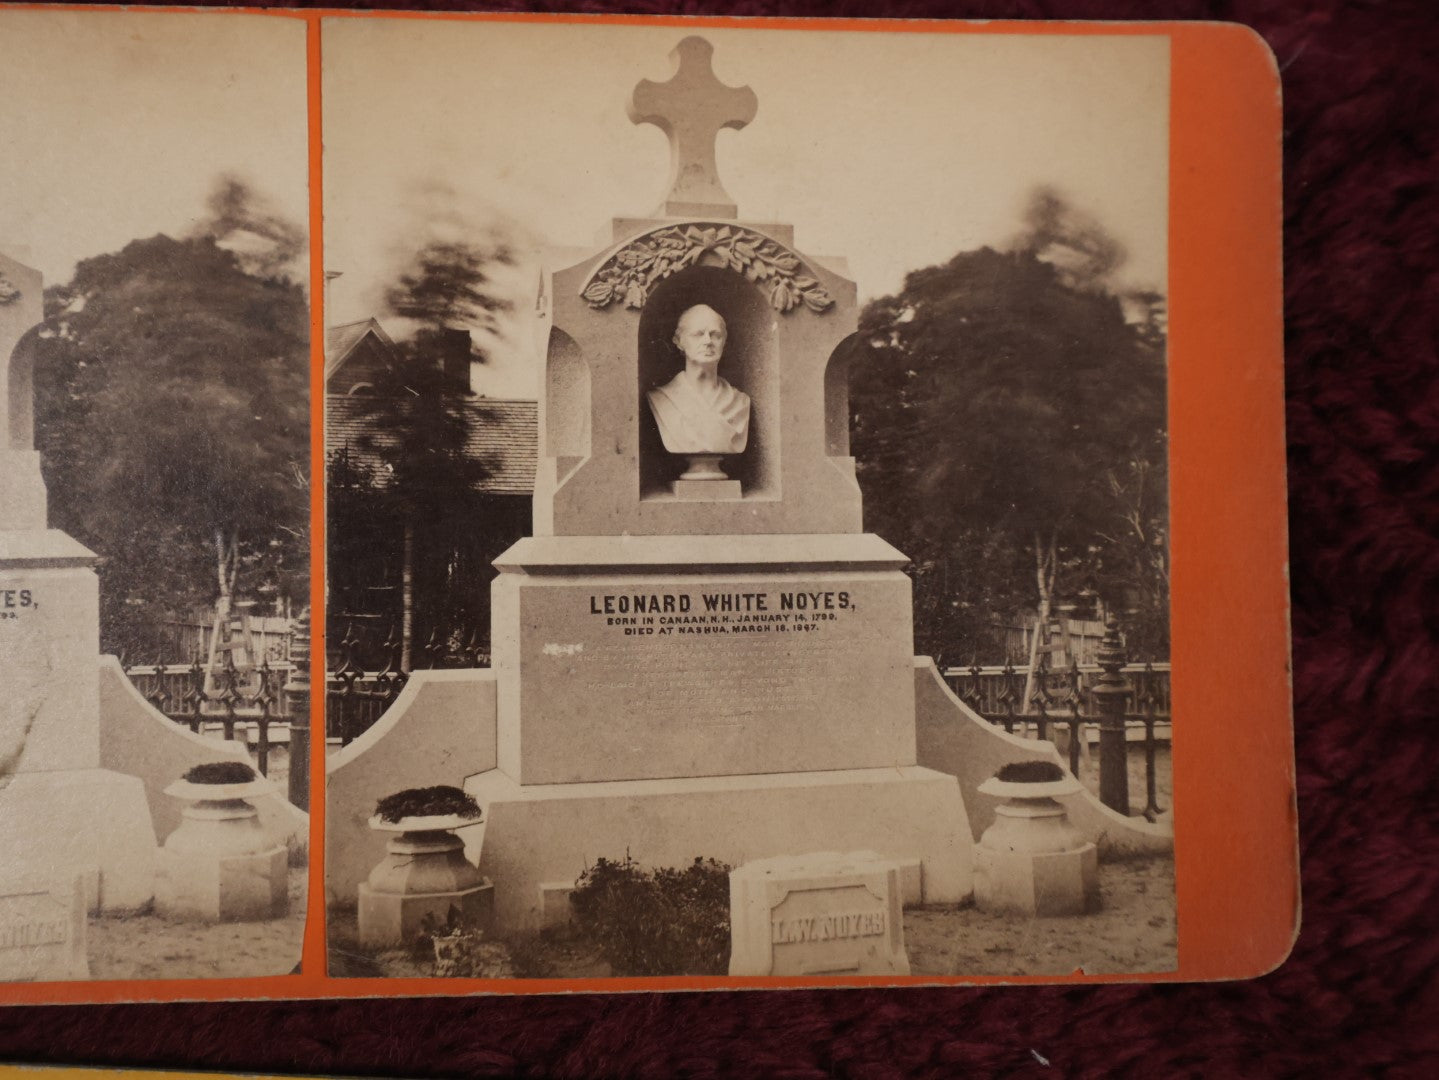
[1115, 696]
[223, 699]
[987, 688]
[366, 671]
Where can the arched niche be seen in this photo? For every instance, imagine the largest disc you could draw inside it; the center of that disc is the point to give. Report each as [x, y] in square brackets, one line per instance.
[750, 364]
[19, 387]
[836, 397]
[567, 403]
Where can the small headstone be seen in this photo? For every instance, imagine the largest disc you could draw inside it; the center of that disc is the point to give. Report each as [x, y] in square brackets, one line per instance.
[820, 914]
[42, 930]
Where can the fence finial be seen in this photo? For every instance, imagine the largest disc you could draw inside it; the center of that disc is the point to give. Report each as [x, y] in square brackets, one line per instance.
[1110, 693]
[298, 689]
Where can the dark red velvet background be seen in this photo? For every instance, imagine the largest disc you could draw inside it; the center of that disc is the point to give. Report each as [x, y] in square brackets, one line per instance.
[1360, 995]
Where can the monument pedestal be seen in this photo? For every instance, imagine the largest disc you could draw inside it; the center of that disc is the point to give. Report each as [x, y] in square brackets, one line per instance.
[88, 822]
[219, 865]
[731, 697]
[669, 657]
[60, 813]
[423, 876]
[537, 839]
[1032, 860]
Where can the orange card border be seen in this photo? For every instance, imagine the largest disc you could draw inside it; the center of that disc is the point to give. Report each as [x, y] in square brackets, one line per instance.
[1236, 843]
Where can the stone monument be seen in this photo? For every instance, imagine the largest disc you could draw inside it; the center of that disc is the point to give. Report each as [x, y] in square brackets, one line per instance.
[712, 665]
[60, 813]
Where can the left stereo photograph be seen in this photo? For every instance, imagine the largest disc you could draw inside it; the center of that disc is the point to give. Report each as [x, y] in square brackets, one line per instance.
[154, 495]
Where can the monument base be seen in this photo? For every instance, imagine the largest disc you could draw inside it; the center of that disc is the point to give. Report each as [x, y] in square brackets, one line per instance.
[388, 918]
[1043, 884]
[537, 836]
[91, 822]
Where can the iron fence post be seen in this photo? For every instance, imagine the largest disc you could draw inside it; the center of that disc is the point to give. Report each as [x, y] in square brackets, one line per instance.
[1149, 702]
[1074, 702]
[298, 689]
[1109, 693]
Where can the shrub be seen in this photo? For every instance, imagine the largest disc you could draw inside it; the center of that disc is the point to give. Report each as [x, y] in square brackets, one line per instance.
[220, 772]
[1030, 772]
[438, 801]
[660, 922]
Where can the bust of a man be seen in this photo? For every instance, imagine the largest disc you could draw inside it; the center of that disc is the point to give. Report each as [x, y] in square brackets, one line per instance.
[698, 412]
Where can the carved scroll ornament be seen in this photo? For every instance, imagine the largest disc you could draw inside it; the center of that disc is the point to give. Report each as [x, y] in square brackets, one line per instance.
[630, 273]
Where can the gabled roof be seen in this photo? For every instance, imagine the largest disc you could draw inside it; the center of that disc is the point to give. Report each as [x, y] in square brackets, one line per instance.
[342, 341]
[502, 434]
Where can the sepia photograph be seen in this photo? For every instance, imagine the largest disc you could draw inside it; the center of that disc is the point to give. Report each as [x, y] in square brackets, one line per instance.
[747, 523]
[154, 495]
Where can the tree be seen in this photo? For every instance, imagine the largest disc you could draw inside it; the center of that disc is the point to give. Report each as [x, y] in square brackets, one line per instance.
[173, 415]
[423, 498]
[1004, 412]
[450, 283]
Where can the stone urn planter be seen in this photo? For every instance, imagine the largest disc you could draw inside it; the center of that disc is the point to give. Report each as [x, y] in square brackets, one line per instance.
[1032, 860]
[219, 866]
[424, 874]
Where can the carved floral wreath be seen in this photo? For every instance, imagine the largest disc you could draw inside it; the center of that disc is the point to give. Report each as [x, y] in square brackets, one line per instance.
[630, 274]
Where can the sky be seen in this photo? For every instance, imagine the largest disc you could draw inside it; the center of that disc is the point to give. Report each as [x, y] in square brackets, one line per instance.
[115, 126]
[892, 150]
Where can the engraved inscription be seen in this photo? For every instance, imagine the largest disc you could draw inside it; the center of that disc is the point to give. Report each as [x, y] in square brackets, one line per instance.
[845, 924]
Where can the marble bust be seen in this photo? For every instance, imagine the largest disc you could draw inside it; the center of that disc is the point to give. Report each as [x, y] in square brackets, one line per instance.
[699, 414]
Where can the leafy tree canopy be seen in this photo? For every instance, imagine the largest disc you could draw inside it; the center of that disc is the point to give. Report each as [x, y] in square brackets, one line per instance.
[450, 282]
[1009, 424]
[173, 414]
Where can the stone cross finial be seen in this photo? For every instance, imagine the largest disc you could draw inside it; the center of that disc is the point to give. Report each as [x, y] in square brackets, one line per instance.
[691, 108]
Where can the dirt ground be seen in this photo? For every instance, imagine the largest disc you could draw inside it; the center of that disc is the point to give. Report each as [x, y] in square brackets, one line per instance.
[1134, 931]
[149, 946]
